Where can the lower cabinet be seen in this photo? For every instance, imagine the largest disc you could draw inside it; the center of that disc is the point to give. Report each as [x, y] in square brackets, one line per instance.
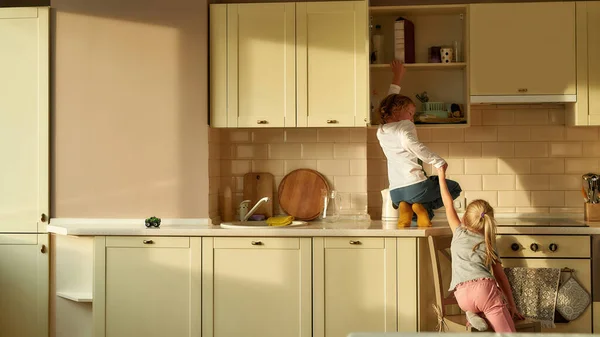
[24, 262]
[256, 287]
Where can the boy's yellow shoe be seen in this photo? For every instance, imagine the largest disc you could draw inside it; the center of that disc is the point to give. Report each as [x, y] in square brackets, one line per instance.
[422, 215]
[405, 213]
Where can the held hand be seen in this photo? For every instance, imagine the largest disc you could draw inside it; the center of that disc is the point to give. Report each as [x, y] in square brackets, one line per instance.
[514, 312]
[398, 70]
[442, 170]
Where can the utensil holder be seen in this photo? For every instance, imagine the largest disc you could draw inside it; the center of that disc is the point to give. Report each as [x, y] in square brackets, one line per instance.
[591, 212]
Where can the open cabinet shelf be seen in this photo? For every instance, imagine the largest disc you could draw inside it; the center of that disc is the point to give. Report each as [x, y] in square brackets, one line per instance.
[436, 25]
[80, 297]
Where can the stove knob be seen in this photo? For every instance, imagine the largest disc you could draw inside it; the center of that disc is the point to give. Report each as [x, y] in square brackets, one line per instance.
[553, 247]
[534, 247]
[515, 247]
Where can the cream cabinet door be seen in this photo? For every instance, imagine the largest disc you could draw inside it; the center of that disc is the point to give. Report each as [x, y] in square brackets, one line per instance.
[332, 56]
[260, 70]
[24, 285]
[593, 58]
[256, 287]
[151, 287]
[23, 119]
[522, 48]
[354, 285]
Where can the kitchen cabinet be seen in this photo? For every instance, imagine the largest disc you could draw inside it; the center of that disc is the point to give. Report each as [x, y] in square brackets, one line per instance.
[586, 111]
[288, 64]
[522, 52]
[24, 263]
[332, 57]
[147, 286]
[24, 119]
[256, 287]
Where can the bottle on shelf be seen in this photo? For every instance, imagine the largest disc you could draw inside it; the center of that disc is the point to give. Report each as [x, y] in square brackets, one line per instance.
[377, 56]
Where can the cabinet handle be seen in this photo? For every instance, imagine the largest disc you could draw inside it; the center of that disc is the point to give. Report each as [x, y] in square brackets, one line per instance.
[262, 121]
[43, 249]
[522, 90]
[534, 247]
[553, 247]
[148, 242]
[44, 217]
[355, 242]
[332, 121]
[515, 247]
[256, 243]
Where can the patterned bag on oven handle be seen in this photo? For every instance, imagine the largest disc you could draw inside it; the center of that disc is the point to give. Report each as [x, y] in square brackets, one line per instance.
[572, 299]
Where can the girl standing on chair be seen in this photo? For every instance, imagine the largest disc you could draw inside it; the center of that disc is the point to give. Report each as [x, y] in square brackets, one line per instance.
[474, 258]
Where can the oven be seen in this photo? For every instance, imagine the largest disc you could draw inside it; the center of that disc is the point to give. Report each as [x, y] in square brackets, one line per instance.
[571, 253]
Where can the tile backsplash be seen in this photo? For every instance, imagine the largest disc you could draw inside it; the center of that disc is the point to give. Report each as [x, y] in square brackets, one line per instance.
[521, 158]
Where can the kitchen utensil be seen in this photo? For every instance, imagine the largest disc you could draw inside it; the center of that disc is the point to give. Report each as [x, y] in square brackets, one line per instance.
[299, 194]
[585, 198]
[587, 185]
[594, 181]
[258, 185]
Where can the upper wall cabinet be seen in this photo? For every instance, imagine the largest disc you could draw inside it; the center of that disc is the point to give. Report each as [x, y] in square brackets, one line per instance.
[24, 119]
[587, 109]
[522, 52]
[289, 64]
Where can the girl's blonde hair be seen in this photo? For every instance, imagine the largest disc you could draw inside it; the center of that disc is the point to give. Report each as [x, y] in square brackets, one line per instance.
[391, 102]
[479, 217]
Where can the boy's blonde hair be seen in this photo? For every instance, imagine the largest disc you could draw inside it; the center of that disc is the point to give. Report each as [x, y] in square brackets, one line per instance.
[479, 217]
[391, 102]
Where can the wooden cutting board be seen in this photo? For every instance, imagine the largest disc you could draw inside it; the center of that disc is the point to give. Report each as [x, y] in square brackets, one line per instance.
[257, 186]
[300, 194]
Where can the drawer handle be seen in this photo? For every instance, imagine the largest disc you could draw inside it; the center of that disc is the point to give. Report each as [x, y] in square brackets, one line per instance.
[534, 247]
[256, 243]
[148, 242]
[332, 121]
[553, 247]
[355, 242]
[522, 90]
[262, 121]
[515, 247]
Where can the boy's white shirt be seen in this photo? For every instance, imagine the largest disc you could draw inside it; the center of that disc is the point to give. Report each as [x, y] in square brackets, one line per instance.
[403, 149]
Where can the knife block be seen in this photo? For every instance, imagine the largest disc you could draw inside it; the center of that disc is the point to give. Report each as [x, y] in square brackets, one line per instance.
[591, 212]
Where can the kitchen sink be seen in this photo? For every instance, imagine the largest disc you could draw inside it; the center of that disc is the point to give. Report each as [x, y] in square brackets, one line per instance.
[258, 224]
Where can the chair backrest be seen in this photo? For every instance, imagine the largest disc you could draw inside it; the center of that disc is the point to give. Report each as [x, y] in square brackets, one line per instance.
[438, 247]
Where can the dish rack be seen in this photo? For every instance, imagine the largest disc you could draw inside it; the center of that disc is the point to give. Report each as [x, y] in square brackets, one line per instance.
[436, 109]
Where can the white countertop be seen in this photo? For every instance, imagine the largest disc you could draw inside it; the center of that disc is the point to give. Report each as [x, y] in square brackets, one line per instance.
[539, 224]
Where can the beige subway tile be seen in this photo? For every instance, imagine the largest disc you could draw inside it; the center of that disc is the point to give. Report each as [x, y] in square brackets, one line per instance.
[565, 182]
[531, 149]
[591, 149]
[287, 151]
[228, 151]
[214, 135]
[275, 167]
[374, 151]
[581, 166]
[447, 135]
[498, 117]
[498, 150]
[251, 151]
[300, 135]
[358, 167]
[481, 134]
[471, 182]
[345, 200]
[582, 133]
[574, 199]
[514, 166]
[424, 135]
[532, 182]
[498, 210]
[572, 149]
[545, 199]
[548, 166]
[267, 136]
[455, 166]
[225, 168]
[550, 132]
[351, 184]
[240, 166]
[531, 117]
[563, 210]
[556, 116]
[359, 202]
[235, 136]
[490, 196]
[475, 117]
[481, 166]
[238, 184]
[372, 135]
[532, 210]
[514, 198]
[349, 150]
[342, 135]
[441, 149]
[513, 133]
[375, 167]
[334, 167]
[214, 168]
[291, 165]
[499, 182]
[464, 150]
[230, 182]
[317, 151]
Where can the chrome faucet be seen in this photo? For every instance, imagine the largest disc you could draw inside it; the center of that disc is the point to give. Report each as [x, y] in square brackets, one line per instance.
[253, 209]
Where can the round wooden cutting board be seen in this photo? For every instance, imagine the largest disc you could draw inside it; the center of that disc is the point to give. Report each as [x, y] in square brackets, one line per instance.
[299, 194]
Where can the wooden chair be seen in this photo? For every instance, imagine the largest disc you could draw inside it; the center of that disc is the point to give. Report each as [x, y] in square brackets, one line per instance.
[440, 247]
